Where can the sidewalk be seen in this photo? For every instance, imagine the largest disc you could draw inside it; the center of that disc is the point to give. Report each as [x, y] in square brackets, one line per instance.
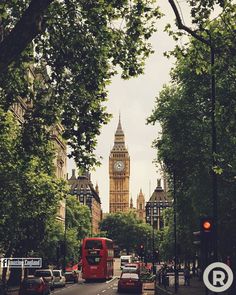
[149, 288]
[13, 290]
[196, 288]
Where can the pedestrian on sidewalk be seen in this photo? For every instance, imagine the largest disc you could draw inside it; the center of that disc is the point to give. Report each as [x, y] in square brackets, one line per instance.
[159, 274]
[193, 270]
[186, 276]
[164, 276]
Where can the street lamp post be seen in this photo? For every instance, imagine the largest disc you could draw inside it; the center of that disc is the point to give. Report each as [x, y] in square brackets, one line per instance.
[214, 151]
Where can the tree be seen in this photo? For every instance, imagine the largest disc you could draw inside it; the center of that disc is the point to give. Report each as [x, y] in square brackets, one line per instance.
[127, 231]
[30, 193]
[30, 23]
[78, 226]
[81, 45]
[184, 111]
[78, 217]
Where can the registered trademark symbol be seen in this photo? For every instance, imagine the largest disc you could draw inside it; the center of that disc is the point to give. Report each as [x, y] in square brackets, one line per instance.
[219, 282]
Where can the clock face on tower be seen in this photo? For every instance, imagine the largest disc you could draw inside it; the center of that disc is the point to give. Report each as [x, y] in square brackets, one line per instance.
[119, 166]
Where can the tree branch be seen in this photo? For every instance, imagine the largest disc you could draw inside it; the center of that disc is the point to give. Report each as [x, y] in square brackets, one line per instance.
[27, 28]
[181, 26]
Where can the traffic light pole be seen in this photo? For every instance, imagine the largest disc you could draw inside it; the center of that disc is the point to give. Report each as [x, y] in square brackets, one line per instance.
[214, 151]
[175, 233]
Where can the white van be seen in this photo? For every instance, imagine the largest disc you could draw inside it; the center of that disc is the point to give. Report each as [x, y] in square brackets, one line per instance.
[124, 260]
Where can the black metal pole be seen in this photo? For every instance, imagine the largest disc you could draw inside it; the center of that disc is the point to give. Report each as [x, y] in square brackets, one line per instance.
[65, 243]
[153, 244]
[214, 151]
[175, 234]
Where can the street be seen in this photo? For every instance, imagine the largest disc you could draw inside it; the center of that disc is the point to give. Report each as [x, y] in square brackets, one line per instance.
[94, 288]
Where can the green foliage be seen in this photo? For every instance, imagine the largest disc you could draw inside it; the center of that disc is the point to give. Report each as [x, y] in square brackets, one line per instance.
[53, 238]
[78, 226]
[127, 231]
[83, 43]
[184, 111]
[78, 217]
[30, 193]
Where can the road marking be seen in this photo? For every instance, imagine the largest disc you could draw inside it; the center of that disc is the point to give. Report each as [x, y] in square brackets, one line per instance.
[115, 277]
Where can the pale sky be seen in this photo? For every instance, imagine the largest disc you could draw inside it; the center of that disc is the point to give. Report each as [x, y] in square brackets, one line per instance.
[134, 99]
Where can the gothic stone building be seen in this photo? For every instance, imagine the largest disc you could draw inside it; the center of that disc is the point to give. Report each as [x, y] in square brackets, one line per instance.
[155, 206]
[83, 189]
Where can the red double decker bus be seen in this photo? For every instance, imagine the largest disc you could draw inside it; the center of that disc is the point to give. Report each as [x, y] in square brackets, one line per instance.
[97, 258]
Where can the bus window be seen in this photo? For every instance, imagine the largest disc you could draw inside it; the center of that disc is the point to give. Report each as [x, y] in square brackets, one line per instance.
[93, 244]
[109, 245]
[93, 260]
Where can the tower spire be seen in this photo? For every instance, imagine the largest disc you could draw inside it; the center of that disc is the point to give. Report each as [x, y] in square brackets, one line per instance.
[119, 142]
[119, 131]
[131, 203]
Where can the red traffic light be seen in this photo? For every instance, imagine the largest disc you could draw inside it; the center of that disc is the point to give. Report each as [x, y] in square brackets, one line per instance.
[141, 246]
[207, 225]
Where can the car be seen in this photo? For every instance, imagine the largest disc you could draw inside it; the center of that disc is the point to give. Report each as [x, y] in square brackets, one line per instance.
[124, 259]
[60, 280]
[131, 267]
[130, 281]
[47, 275]
[3, 290]
[34, 286]
[72, 276]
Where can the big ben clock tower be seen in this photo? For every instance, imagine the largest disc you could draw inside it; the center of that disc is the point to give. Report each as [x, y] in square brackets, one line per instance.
[119, 172]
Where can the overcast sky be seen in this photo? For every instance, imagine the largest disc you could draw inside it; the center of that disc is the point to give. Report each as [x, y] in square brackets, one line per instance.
[134, 99]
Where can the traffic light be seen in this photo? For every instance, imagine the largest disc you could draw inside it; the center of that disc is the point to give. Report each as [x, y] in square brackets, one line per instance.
[207, 240]
[206, 229]
[141, 250]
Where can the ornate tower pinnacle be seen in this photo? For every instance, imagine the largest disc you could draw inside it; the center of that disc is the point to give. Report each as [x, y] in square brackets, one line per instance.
[131, 203]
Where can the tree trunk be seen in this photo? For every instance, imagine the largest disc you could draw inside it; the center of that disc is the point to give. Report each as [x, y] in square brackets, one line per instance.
[27, 28]
[7, 254]
[16, 273]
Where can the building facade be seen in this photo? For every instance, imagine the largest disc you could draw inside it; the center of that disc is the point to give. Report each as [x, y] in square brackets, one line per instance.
[83, 189]
[119, 174]
[154, 207]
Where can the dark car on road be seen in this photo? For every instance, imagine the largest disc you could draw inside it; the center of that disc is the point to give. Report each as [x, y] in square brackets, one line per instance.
[3, 290]
[72, 276]
[34, 286]
[129, 281]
